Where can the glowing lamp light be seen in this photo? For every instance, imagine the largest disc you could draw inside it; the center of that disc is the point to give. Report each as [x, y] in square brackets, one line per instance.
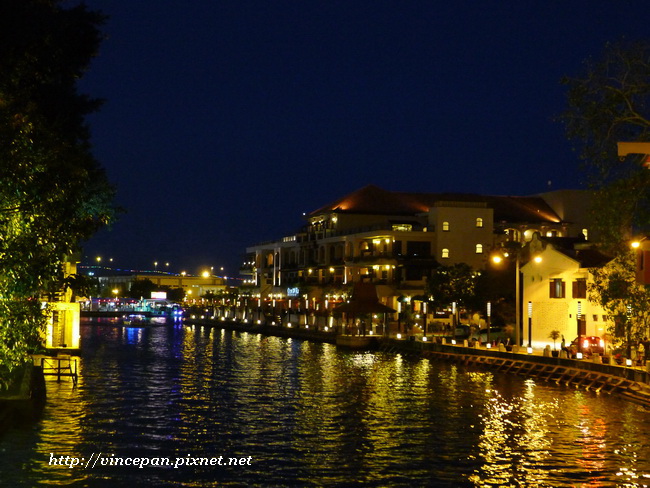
[579, 355]
[635, 244]
[529, 350]
[537, 259]
[399, 336]
[628, 362]
[453, 341]
[424, 339]
[488, 346]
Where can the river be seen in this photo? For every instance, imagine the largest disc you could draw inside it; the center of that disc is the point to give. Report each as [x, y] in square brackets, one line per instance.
[297, 413]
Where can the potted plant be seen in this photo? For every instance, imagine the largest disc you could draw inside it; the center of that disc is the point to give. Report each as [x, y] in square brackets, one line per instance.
[554, 336]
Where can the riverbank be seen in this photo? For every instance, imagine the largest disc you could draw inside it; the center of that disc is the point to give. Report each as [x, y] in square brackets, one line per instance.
[632, 383]
[24, 399]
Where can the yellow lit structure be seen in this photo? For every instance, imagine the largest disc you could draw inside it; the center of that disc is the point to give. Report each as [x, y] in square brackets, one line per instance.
[556, 289]
[62, 330]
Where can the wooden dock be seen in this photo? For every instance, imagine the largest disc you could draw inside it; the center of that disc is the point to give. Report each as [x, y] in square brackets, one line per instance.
[61, 366]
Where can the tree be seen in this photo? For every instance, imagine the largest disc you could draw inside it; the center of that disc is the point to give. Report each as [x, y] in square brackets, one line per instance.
[53, 193]
[607, 104]
[142, 288]
[455, 283]
[626, 301]
[610, 103]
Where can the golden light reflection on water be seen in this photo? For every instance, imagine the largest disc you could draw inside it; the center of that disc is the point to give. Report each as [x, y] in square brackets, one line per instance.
[311, 411]
[514, 440]
[62, 431]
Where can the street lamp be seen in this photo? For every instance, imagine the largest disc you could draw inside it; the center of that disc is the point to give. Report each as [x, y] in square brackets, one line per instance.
[498, 259]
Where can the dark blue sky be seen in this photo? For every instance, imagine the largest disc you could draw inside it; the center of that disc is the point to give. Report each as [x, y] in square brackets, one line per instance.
[224, 121]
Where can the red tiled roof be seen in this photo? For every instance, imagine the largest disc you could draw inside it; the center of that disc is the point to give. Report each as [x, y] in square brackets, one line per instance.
[377, 201]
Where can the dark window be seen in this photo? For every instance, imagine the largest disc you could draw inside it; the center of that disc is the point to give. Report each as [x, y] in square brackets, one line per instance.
[580, 288]
[414, 274]
[418, 248]
[557, 289]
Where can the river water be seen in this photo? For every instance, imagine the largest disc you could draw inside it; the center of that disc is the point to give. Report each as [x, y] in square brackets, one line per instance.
[297, 413]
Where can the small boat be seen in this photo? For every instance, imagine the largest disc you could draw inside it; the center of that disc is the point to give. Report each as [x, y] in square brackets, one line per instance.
[135, 319]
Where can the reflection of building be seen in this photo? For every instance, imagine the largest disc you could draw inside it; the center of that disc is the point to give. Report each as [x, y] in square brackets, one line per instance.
[63, 325]
[394, 239]
[556, 287]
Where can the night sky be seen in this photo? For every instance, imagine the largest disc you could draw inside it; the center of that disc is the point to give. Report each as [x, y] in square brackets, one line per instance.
[225, 121]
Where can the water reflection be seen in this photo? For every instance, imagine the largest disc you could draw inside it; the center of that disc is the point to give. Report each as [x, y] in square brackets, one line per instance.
[314, 415]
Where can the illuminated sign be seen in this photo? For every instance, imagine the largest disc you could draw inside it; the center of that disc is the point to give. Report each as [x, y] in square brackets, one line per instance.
[293, 292]
[159, 295]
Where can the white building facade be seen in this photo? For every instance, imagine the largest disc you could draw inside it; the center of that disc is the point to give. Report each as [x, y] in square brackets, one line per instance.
[555, 296]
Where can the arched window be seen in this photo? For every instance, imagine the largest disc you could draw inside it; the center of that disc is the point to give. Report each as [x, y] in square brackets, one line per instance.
[445, 253]
[479, 222]
[445, 226]
[479, 249]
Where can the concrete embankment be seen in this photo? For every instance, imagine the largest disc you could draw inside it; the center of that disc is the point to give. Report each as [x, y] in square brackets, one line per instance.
[632, 383]
[24, 399]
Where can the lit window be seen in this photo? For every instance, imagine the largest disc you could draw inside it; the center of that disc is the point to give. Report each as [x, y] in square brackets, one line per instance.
[479, 249]
[403, 227]
[585, 233]
[445, 226]
[479, 222]
[445, 253]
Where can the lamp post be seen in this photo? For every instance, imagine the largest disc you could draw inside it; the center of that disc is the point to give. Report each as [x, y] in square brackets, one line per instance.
[424, 323]
[530, 323]
[578, 317]
[489, 313]
[518, 331]
[518, 301]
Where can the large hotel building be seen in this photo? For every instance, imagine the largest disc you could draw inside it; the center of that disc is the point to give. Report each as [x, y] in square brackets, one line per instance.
[394, 239]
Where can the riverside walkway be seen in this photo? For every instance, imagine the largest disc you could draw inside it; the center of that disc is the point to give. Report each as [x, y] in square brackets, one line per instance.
[631, 382]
